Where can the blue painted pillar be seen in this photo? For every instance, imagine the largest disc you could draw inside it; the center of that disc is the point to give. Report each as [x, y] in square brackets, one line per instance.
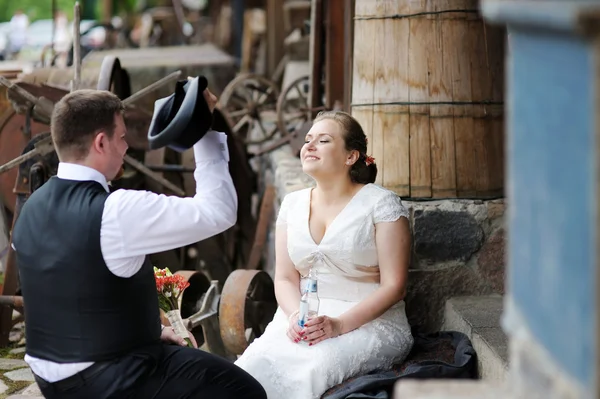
[552, 155]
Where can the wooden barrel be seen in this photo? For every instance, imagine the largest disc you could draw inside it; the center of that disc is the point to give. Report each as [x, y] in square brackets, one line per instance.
[428, 81]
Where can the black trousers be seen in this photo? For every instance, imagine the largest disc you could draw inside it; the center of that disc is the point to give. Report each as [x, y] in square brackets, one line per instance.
[160, 371]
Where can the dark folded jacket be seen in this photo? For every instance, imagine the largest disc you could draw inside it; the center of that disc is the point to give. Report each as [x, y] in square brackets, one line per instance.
[446, 354]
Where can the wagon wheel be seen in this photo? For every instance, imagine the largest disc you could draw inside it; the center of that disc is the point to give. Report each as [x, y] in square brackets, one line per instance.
[250, 101]
[247, 305]
[292, 106]
[113, 77]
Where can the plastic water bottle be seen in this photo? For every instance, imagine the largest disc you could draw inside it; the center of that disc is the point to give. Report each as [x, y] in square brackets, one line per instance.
[309, 301]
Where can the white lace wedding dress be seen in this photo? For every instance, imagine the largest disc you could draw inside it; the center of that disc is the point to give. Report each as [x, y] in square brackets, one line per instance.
[346, 260]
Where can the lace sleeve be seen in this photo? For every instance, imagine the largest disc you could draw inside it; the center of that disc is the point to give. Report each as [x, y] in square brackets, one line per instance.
[389, 208]
[283, 211]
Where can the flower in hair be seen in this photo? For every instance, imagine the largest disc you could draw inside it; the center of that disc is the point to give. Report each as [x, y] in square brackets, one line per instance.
[369, 160]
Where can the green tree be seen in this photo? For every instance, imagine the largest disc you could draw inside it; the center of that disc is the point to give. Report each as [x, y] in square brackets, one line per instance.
[42, 9]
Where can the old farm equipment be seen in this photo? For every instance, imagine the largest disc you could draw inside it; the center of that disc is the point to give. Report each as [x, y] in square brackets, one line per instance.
[224, 321]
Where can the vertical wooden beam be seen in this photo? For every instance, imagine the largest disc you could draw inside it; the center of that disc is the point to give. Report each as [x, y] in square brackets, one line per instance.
[76, 47]
[316, 55]
[334, 52]
[107, 10]
[275, 34]
[348, 52]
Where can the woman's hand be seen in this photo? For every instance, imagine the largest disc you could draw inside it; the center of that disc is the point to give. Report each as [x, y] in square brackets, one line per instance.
[168, 335]
[294, 332]
[320, 328]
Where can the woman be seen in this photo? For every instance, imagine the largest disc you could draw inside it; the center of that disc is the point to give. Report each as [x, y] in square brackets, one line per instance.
[357, 236]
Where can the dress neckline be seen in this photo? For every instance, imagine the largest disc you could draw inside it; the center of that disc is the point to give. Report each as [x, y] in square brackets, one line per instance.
[307, 223]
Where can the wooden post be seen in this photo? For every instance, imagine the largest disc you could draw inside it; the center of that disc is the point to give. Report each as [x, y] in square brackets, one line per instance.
[107, 10]
[348, 52]
[335, 63]
[275, 34]
[54, 9]
[76, 48]
[316, 55]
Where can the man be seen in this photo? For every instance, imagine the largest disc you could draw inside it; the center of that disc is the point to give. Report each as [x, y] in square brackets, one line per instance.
[18, 31]
[93, 326]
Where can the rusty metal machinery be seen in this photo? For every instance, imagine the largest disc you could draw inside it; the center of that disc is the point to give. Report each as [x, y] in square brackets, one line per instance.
[225, 322]
[247, 305]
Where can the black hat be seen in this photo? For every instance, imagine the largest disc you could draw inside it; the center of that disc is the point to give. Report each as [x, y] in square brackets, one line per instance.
[182, 119]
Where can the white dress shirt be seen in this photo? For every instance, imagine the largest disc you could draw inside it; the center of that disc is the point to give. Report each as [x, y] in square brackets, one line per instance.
[137, 223]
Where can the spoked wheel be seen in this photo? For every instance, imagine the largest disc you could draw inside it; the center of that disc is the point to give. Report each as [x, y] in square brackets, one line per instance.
[247, 305]
[292, 106]
[250, 102]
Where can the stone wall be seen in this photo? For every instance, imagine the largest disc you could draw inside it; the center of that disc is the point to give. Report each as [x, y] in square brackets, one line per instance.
[458, 245]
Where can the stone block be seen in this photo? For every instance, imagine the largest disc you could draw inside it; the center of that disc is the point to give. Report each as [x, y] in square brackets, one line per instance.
[428, 291]
[492, 261]
[3, 387]
[495, 209]
[441, 236]
[32, 391]
[20, 375]
[479, 319]
[9, 364]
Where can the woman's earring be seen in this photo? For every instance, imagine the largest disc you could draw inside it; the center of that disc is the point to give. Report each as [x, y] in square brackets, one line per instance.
[347, 162]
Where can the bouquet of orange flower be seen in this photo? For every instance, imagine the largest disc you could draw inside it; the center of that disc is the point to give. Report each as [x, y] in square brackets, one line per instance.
[169, 288]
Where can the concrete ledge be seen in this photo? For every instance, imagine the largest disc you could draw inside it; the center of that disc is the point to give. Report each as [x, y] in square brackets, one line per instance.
[449, 389]
[478, 317]
[539, 14]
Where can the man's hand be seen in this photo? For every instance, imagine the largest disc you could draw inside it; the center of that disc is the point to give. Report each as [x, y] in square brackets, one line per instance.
[211, 99]
[168, 335]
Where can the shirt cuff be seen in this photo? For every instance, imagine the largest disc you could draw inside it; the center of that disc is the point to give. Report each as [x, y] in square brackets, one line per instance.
[212, 147]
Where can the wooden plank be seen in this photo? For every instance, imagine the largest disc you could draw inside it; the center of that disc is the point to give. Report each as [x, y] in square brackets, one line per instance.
[394, 124]
[334, 52]
[315, 58]
[496, 43]
[363, 72]
[364, 56]
[419, 49]
[466, 165]
[495, 153]
[481, 90]
[383, 66]
[262, 228]
[443, 159]
[364, 116]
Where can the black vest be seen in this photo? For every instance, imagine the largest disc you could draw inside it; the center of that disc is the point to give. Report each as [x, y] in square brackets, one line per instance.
[76, 310]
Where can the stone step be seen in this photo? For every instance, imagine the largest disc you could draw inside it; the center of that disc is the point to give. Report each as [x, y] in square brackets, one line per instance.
[478, 317]
[450, 389]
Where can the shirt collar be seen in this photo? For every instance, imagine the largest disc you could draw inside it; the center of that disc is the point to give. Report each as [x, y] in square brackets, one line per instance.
[71, 171]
